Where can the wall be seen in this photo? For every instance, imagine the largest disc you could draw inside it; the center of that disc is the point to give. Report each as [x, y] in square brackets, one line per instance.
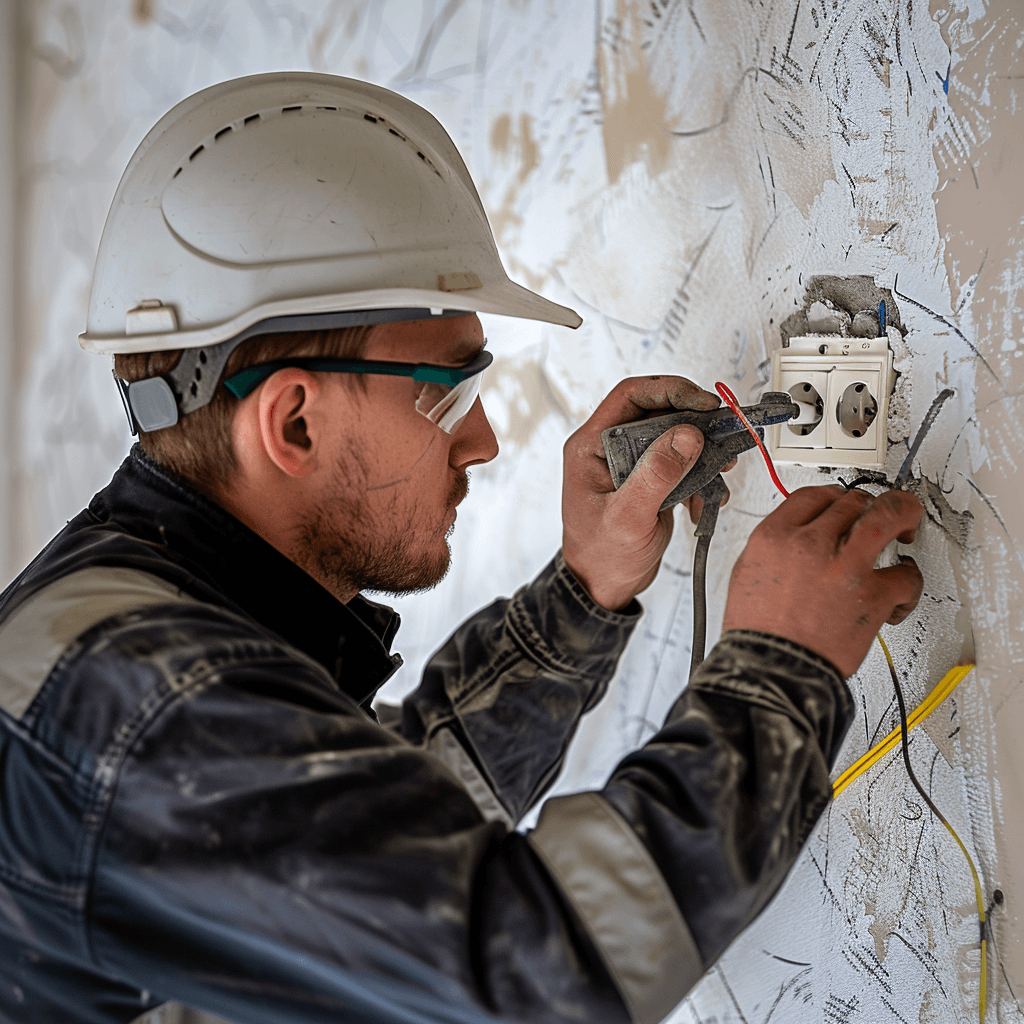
[675, 170]
[8, 178]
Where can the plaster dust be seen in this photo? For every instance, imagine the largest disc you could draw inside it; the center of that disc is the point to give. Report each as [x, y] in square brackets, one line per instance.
[678, 171]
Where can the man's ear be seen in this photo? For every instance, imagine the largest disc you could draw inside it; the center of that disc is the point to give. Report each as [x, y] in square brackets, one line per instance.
[291, 413]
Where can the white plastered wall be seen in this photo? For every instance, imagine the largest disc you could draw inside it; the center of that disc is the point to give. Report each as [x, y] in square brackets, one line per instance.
[8, 235]
[675, 170]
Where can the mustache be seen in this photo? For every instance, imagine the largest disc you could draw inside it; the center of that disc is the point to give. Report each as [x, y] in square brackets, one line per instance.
[460, 488]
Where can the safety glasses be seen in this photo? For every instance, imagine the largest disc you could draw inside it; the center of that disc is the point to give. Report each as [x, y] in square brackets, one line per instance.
[445, 396]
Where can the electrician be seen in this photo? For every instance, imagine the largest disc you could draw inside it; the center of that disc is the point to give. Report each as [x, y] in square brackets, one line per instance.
[200, 802]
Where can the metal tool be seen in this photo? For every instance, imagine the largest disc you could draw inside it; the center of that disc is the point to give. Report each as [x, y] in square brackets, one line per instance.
[725, 437]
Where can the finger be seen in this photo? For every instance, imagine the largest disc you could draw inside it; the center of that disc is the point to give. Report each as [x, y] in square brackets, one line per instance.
[631, 398]
[803, 506]
[659, 470]
[901, 586]
[890, 516]
[695, 506]
[837, 519]
[731, 464]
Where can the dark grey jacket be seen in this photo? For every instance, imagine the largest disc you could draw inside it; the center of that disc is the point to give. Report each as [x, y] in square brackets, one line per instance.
[198, 803]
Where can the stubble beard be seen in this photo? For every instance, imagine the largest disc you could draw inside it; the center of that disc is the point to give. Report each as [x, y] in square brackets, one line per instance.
[346, 546]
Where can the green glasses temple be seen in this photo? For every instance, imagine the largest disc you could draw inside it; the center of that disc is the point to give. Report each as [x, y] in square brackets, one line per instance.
[246, 381]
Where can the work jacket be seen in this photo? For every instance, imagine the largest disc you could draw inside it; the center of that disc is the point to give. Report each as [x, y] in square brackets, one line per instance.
[200, 805]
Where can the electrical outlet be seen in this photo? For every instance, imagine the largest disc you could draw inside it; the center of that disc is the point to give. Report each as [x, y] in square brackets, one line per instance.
[842, 386]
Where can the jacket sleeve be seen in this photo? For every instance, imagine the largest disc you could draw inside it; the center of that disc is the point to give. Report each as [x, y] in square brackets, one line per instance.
[501, 700]
[265, 851]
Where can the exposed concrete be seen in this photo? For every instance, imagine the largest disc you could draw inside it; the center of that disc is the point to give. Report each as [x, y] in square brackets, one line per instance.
[853, 295]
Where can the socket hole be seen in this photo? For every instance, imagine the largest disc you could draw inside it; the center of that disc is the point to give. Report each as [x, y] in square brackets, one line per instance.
[856, 410]
[812, 408]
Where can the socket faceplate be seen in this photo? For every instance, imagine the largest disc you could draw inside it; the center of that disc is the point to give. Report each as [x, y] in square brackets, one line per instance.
[835, 366]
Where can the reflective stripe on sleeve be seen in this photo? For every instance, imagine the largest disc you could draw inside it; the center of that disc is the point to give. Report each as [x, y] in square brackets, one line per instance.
[34, 637]
[444, 745]
[623, 900]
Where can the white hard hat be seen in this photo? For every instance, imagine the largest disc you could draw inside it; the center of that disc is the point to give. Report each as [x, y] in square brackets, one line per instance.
[288, 201]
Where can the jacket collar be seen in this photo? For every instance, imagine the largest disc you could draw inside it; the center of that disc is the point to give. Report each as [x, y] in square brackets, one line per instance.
[351, 641]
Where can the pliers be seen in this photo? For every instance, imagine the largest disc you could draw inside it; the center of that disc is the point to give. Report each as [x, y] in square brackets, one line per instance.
[725, 437]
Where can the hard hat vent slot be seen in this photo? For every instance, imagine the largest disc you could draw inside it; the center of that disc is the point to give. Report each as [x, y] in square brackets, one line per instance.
[328, 108]
[382, 121]
[251, 118]
[289, 110]
[195, 152]
[223, 131]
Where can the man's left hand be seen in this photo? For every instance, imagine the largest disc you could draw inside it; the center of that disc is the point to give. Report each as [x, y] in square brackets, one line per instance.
[613, 540]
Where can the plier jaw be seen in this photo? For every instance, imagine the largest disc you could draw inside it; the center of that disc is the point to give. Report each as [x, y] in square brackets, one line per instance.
[725, 437]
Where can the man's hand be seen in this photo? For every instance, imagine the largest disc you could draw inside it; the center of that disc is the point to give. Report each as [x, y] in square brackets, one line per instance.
[613, 540]
[807, 572]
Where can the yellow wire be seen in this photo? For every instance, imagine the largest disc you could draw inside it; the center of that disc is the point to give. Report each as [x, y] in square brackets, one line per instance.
[946, 685]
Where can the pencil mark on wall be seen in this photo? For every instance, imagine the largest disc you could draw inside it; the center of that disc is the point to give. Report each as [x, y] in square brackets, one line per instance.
[952, 326]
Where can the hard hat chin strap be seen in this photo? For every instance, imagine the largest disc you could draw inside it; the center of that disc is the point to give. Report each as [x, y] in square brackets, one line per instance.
[159, 402]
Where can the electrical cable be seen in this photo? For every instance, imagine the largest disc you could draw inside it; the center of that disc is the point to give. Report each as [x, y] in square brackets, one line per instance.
[934, 699]
[943, 689]
[730, 400]
[982, 991]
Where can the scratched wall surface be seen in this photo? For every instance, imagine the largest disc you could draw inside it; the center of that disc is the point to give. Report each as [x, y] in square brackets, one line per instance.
[675, 170]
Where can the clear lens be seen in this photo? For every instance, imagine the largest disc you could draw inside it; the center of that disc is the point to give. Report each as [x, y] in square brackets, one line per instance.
[448, 406]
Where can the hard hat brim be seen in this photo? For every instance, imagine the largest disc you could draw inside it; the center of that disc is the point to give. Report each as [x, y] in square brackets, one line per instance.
[503, 298]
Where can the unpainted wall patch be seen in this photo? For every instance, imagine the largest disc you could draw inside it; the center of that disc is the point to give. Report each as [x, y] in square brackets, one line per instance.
[850, 295]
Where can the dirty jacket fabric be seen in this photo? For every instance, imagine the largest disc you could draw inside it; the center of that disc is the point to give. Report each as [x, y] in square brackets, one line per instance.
[198, 803]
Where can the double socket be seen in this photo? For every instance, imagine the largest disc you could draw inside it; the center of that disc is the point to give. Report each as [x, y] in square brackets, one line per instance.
[841, 386]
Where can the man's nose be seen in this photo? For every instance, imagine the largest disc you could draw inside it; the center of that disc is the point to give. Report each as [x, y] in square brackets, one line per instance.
[474, 442]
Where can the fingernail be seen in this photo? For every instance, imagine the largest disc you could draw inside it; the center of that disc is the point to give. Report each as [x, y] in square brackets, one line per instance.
[687, 442]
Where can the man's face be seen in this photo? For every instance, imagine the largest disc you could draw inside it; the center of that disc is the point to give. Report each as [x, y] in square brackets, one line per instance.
[391, 479]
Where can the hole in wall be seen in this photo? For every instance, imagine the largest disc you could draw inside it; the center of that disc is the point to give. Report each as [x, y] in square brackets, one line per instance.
[857, 297]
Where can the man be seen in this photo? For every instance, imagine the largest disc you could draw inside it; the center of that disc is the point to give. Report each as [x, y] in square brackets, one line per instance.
[199, 802]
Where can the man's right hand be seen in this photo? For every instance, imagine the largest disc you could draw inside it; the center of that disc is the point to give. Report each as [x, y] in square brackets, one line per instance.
[807, 572]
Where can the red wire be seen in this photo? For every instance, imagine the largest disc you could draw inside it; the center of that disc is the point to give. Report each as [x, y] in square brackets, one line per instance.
[730, 400]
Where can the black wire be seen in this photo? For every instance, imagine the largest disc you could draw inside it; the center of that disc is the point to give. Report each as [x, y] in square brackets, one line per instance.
[700, 602]
[904, 474]
[910, 771]
[906, 750]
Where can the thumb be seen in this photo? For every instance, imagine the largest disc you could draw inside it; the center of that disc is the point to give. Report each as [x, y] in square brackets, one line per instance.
[660, 469]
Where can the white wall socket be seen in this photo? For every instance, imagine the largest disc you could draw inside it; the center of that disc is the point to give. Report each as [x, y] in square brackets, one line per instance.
[842, 386]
